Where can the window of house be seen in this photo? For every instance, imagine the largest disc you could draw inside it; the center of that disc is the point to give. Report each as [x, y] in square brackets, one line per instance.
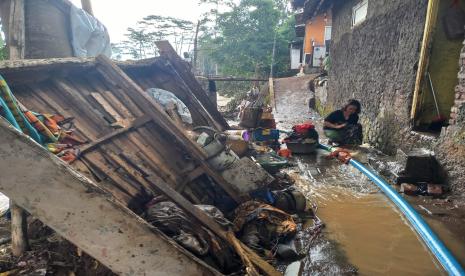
[359, 12]
[327, 33]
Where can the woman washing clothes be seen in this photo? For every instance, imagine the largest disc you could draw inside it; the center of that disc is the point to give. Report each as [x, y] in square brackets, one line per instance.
[342, 127]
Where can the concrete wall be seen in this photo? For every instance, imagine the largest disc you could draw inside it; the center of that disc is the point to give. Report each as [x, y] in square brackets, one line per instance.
[375, 62]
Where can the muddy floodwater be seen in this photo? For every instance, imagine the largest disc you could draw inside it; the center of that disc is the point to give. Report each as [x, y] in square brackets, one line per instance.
[362, 225]
[365, 233]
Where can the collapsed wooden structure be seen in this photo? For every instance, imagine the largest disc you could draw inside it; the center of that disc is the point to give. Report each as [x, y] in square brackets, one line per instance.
[134, 150]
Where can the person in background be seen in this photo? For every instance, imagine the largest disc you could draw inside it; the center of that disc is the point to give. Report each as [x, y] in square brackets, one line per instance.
[342, 127]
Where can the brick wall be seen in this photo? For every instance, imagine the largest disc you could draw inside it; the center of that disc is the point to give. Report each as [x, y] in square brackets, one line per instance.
[450, 150]
[459, 90]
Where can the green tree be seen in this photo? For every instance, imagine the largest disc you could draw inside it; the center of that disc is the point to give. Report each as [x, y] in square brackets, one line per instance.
[245, 39]
[140, 39]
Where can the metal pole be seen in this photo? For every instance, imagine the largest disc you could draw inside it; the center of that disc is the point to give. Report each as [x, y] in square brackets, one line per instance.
[271, 82]
[273, 55]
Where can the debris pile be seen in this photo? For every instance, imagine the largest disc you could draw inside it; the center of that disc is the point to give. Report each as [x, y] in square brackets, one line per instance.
[146, 135]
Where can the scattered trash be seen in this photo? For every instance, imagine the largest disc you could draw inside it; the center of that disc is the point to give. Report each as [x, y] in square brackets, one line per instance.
[262, 227]
[426, 210]
[408, 189]
[435, 190]
[271, 162]
[422, 188]
[291, 201]
[171, 220]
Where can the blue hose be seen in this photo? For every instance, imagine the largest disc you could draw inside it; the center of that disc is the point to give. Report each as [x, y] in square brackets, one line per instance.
[436, 246]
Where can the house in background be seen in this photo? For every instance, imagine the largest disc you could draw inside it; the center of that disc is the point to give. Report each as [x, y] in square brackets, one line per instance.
[313, 33]
[403, 59]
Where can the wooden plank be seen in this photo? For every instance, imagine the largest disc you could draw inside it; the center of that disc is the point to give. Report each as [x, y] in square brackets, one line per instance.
[110, 174]
[133, 125]
[113, 73]
[250, 269]
[86, 215]
[431, 17]
[166, 172]
[111, 98]
[165, 147]
[84, 129]
[167, 51]
[191, 176]
[79, 103]
[173, 113]
[220, 78]
[122, 166]
[16, 33]
[127, 167]
[16, 43]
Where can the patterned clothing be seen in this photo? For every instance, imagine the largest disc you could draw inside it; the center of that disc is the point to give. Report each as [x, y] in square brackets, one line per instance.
[351, 134]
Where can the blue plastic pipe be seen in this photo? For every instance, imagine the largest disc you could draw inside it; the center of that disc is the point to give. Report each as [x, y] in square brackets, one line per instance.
[435, 245]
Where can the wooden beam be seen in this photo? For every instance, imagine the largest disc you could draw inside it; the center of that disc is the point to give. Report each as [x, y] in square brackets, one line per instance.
[431, 18]
[16, 37]
[189, 177]
[133, 125]
[219, 78]
[16, 43]
[19, 240]
[167, 51]
[147, 104]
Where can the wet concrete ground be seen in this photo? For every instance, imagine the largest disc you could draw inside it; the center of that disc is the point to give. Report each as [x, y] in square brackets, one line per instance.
[364, 231]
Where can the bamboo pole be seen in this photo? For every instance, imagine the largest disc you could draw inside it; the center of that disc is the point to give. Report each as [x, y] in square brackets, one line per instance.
[87, 6]
[431, 17]
[196, 41]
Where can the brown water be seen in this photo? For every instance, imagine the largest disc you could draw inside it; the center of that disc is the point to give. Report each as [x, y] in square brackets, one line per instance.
[363, 228]
[366, 227]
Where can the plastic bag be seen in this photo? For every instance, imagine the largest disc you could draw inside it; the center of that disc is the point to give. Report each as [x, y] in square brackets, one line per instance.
[89, 37]
[164, 97]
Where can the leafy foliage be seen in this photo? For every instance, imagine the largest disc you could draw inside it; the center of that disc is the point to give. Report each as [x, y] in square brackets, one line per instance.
[140, 42]
[236, 37]
[242, 43]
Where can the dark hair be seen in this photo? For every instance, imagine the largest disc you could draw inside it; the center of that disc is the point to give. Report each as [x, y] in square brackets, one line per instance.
[354, 103]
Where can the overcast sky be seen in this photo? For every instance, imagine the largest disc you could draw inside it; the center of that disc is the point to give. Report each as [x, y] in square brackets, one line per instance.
[118, 15]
